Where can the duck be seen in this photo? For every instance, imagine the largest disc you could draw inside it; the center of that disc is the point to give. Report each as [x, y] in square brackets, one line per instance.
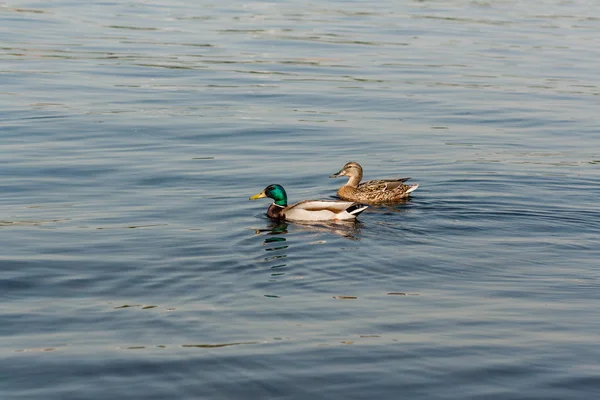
[371, 192]
[308, 210]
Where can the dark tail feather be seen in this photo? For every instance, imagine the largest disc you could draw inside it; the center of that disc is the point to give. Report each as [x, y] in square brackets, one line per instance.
[356, 209]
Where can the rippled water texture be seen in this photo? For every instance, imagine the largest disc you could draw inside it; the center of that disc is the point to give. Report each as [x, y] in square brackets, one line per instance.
[134, 266]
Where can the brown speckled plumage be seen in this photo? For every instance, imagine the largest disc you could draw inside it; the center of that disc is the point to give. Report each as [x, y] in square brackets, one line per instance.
[375, 191]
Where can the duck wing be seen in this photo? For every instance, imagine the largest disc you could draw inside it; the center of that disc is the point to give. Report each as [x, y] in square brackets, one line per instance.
[382, 185]
[323, 210]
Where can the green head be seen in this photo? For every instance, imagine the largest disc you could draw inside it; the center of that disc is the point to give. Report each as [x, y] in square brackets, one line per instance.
[275, 192]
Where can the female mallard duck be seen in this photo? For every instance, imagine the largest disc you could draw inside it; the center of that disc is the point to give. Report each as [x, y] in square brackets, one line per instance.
[308, 210]
[377, 191]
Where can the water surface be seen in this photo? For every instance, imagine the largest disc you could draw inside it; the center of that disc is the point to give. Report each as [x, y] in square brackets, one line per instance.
[134, 265]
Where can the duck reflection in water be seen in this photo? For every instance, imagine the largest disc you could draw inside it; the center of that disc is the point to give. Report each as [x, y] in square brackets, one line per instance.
[347, 229]
[277, 247]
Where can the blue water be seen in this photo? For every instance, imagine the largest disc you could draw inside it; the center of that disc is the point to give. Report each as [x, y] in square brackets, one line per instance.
[134, 266]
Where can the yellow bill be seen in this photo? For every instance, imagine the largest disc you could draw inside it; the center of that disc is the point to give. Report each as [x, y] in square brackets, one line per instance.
[258, 196]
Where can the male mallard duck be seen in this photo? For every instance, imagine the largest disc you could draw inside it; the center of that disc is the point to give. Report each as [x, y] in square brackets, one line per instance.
[308, 210]
[377, 191]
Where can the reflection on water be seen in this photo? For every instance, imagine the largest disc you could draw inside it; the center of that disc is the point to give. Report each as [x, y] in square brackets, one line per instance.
[347, 229]
[275, 240]
[278, 243]
[273, 228]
